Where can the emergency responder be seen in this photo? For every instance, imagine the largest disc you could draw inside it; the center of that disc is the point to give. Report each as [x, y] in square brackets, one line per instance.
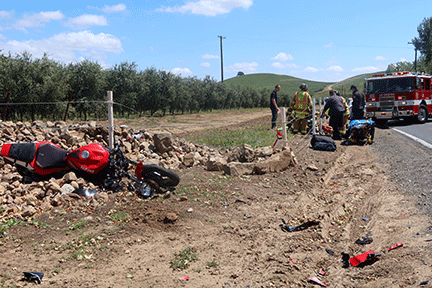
[336, 110]
[274, 106]
[358, 103]
[346, 114]
[301, 107]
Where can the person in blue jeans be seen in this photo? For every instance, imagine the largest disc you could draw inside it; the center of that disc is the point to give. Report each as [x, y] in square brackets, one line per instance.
[274, 106]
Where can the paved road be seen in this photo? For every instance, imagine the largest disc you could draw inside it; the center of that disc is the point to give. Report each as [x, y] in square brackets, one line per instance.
[419, 131]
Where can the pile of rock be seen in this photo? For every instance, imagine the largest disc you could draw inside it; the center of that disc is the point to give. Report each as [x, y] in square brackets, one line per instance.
[24, 200]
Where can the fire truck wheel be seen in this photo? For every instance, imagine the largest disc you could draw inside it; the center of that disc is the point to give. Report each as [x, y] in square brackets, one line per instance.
[422, 114]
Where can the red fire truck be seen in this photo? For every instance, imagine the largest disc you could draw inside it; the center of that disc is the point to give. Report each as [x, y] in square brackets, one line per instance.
[398, 95]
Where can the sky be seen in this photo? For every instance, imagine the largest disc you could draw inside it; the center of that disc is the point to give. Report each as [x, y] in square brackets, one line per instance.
[315, 40]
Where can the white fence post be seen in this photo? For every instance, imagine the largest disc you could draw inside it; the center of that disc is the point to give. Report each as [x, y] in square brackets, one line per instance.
[110, 120]
[284, 130]
[313, 117]
[320, 119]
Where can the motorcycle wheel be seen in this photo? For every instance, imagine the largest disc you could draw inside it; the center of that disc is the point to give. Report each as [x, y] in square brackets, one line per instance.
[163, 177]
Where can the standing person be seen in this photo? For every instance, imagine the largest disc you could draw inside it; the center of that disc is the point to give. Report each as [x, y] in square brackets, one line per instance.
[274, 106]
[302, 107]
[358, 103]
[336, 110]
[346, 114]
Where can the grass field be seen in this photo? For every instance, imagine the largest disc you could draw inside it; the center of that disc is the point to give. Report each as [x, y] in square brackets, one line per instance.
[256, 135]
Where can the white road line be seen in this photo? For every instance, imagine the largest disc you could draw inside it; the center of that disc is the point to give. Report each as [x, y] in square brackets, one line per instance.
[422, 142]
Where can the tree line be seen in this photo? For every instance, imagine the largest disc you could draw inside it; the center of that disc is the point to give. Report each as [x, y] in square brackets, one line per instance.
[32, 89]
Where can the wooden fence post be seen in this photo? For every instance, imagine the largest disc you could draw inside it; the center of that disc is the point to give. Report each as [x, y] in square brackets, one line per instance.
[7, 103]
[67, 107]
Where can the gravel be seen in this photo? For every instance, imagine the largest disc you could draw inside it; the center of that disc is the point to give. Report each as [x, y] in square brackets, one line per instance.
[409, 165]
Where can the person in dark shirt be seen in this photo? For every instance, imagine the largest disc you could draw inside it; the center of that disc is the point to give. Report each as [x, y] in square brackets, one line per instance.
[358, 103]
[336, 110]
[274, 106]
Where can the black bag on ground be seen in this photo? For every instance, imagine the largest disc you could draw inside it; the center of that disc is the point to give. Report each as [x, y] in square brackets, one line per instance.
[323, 143]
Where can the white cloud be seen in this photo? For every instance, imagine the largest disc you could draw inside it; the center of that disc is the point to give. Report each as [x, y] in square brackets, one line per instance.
[283, 57]
[208, 7]
[181, 71]
[68, 47]
[245, 67]
[2, 37]
[365, 69]
[311, 69]
[329, 45]
[115, 8]
[380, 58]
[208, 56]
[279, 65]
[38, 20]
[335, 68]
[205, 64]
[87, 20]
[403, 60]
[5, 14]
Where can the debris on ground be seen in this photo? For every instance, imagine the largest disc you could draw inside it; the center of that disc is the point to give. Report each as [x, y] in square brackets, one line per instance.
[364, 241]
[305, 225]
[34, 276]
[317, 281]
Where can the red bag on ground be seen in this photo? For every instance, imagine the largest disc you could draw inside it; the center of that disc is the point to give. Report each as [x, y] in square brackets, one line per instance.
[356, 260]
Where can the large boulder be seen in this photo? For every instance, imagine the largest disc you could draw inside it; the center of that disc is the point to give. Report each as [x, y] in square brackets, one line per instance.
[276, 163]
[239, 168]
[216, 163]
[189, 159]
[163, 142]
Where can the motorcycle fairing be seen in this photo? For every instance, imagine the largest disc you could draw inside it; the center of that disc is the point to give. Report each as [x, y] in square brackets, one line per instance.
[91, 158]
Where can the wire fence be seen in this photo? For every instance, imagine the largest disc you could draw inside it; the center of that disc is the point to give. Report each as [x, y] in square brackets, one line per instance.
[200, 133]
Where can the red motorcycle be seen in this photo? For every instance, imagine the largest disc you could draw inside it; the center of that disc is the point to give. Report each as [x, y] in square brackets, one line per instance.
[107, 167]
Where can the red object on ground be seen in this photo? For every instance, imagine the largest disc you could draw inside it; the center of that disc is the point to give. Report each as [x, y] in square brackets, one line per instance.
[356, 260]
[395, 246]
[185, 278]
[279, 137]
[316, 280]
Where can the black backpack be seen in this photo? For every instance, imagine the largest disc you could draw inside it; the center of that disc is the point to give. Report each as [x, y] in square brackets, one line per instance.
[323, 143]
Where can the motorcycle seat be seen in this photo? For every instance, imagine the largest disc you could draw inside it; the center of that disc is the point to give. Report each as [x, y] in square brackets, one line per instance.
[22, 151]
[50, 156]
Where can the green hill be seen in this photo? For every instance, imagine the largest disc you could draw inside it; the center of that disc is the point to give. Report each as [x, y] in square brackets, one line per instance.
[344, 85]
[267, 81]
[289, 84]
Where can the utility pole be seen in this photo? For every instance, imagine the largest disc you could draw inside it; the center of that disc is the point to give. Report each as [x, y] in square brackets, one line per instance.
[220, 37]
[416, 44]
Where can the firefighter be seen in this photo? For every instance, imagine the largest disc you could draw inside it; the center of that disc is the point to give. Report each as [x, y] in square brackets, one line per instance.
[301, 107]
[336, 110]
[346, 115]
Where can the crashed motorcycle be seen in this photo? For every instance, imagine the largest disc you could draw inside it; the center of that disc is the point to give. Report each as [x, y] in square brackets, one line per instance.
[95, 162]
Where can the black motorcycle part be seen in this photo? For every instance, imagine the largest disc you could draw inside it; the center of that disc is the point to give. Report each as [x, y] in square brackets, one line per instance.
[23, 151]
[163, 177]
[50, 156]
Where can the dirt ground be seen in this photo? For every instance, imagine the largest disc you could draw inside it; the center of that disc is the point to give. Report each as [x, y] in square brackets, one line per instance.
[229, 227]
